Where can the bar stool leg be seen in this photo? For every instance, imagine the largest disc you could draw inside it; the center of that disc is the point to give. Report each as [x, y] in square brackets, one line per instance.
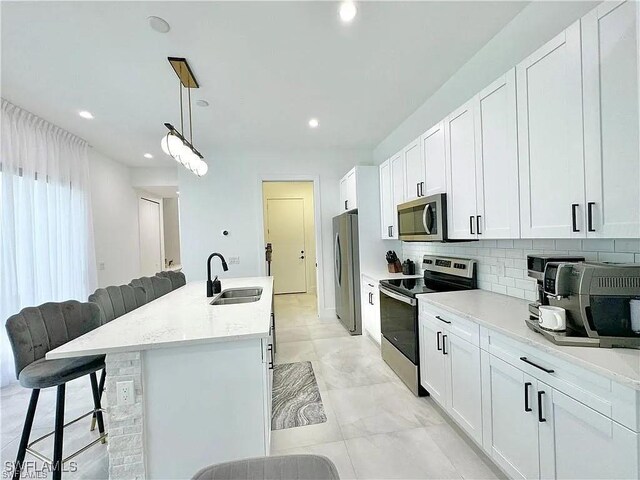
[96, 402]
[103, 376]
[59, 429]
[26, 432]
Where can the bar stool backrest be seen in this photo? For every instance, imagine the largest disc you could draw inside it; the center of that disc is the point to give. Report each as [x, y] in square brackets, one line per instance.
[154, 287]
[36, 330]
[178, 279]
[115, 301]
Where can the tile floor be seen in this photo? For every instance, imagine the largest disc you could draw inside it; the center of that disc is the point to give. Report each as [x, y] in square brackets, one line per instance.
[375, 427]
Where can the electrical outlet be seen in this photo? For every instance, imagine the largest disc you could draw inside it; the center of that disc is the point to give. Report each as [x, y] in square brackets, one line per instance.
[126, 393]
[234, 260]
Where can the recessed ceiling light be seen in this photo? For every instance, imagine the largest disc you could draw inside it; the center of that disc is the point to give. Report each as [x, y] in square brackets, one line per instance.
[202, 103]
[85, 114]
[148, 155]
[159, 24]
[348, 11]
[313, 123]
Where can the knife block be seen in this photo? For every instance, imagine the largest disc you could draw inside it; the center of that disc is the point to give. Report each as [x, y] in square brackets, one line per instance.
[395, 267]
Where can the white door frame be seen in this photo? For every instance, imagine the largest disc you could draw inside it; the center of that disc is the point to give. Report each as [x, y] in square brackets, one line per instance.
[317, 225]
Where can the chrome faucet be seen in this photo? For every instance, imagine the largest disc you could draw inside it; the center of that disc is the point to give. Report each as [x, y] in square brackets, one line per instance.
[214, 286]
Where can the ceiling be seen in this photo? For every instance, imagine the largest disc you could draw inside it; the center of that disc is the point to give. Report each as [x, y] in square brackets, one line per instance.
[265, 67]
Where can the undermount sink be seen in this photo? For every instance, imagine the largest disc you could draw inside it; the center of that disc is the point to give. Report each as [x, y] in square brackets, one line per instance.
[234, 296]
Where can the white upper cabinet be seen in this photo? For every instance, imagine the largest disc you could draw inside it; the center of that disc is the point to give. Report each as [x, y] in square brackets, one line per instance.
[414, 170]
[460, 153]
[348, 195]
[387, 209]
[434, 160]
[610, 79]
[397, 188]
[498, 212]
[550, 139]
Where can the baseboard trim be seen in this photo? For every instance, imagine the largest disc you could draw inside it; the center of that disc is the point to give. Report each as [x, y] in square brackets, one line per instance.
[327, 313]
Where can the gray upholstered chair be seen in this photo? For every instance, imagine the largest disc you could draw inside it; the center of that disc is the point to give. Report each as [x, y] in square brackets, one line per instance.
[286, 467]
[178, 279]
[32, 333]
[115, 301]
[154, 287]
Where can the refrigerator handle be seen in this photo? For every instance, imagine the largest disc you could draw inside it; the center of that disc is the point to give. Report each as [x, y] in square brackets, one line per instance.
[337, 255]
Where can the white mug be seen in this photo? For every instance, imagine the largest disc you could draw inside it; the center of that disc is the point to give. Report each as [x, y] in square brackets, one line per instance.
[552, 318]
[634, 305]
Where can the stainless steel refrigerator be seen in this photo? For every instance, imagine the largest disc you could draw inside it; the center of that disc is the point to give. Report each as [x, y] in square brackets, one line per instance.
[346, 259]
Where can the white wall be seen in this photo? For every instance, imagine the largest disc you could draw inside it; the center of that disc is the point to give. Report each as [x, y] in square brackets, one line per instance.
[303, 190]
[171, 223]
[115, 220]
[502, 264]
[531, 28]
[229, 197]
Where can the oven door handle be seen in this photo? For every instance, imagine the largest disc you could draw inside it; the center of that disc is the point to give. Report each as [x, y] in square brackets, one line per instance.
[397, 296]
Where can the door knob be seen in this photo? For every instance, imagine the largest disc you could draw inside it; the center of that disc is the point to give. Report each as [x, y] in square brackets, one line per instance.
[302, 257]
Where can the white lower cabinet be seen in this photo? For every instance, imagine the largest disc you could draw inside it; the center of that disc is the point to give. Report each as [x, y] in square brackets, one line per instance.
[450, 371]
[370, 309]
[530, 413]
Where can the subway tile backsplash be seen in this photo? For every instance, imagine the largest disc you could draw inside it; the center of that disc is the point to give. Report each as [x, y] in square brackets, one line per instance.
[502, 264]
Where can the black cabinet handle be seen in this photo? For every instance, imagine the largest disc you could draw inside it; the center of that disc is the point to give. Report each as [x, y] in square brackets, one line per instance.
[540, 416]
[388, 231]
[444, 344]
[270, 349]
[526, 360]
[370, 298]
[471, 225]
[442, 319]
[478, 224]
[574, 219]
[590, 216]
[438, 336]
[346, 202]
[527, 408]
[417, 189]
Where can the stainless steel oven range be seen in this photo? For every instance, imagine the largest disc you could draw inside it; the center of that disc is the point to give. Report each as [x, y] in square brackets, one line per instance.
[399, 311]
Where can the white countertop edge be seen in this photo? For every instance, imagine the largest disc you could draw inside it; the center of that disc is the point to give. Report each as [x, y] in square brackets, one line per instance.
[53, 355]
[543, 344]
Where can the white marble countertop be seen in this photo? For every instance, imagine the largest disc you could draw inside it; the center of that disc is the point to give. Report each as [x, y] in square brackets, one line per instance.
[382, 275]
[506, 315]
[183, 316]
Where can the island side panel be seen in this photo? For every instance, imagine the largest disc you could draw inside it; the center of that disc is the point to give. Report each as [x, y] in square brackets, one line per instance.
[125, 423]
[204, 404]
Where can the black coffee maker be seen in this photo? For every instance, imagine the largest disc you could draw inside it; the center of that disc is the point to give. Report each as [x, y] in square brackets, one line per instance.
[536, 265]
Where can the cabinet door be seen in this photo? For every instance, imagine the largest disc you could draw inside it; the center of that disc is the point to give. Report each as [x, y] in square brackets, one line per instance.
[397, 184]
[414, 170]
[461, 173]
[578, 442]
[352, 198]
[386, 201]
[464, 398]
[549, 91]
[497, 160]
[434, 160]
[433, 374]
[512, 433]
[343, 194]
[612, 150]
[366, 312]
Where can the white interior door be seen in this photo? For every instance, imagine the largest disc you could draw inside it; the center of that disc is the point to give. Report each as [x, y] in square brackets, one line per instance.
[285, 232]
[150, 229]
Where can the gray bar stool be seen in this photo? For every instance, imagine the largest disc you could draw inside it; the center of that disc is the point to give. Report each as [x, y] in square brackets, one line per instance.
[154, 287]
[32, 333]
[285, 467]
[178, 279]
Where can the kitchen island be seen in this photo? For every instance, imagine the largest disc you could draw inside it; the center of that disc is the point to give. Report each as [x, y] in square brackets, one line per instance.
[201, 375]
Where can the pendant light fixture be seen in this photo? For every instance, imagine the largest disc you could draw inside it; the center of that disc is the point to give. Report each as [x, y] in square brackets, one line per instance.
[175, 143]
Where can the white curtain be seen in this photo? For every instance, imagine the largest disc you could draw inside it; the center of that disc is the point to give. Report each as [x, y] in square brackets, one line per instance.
[46, 233]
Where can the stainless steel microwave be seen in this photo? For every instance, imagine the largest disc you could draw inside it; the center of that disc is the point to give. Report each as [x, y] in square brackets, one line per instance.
[423, 219]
